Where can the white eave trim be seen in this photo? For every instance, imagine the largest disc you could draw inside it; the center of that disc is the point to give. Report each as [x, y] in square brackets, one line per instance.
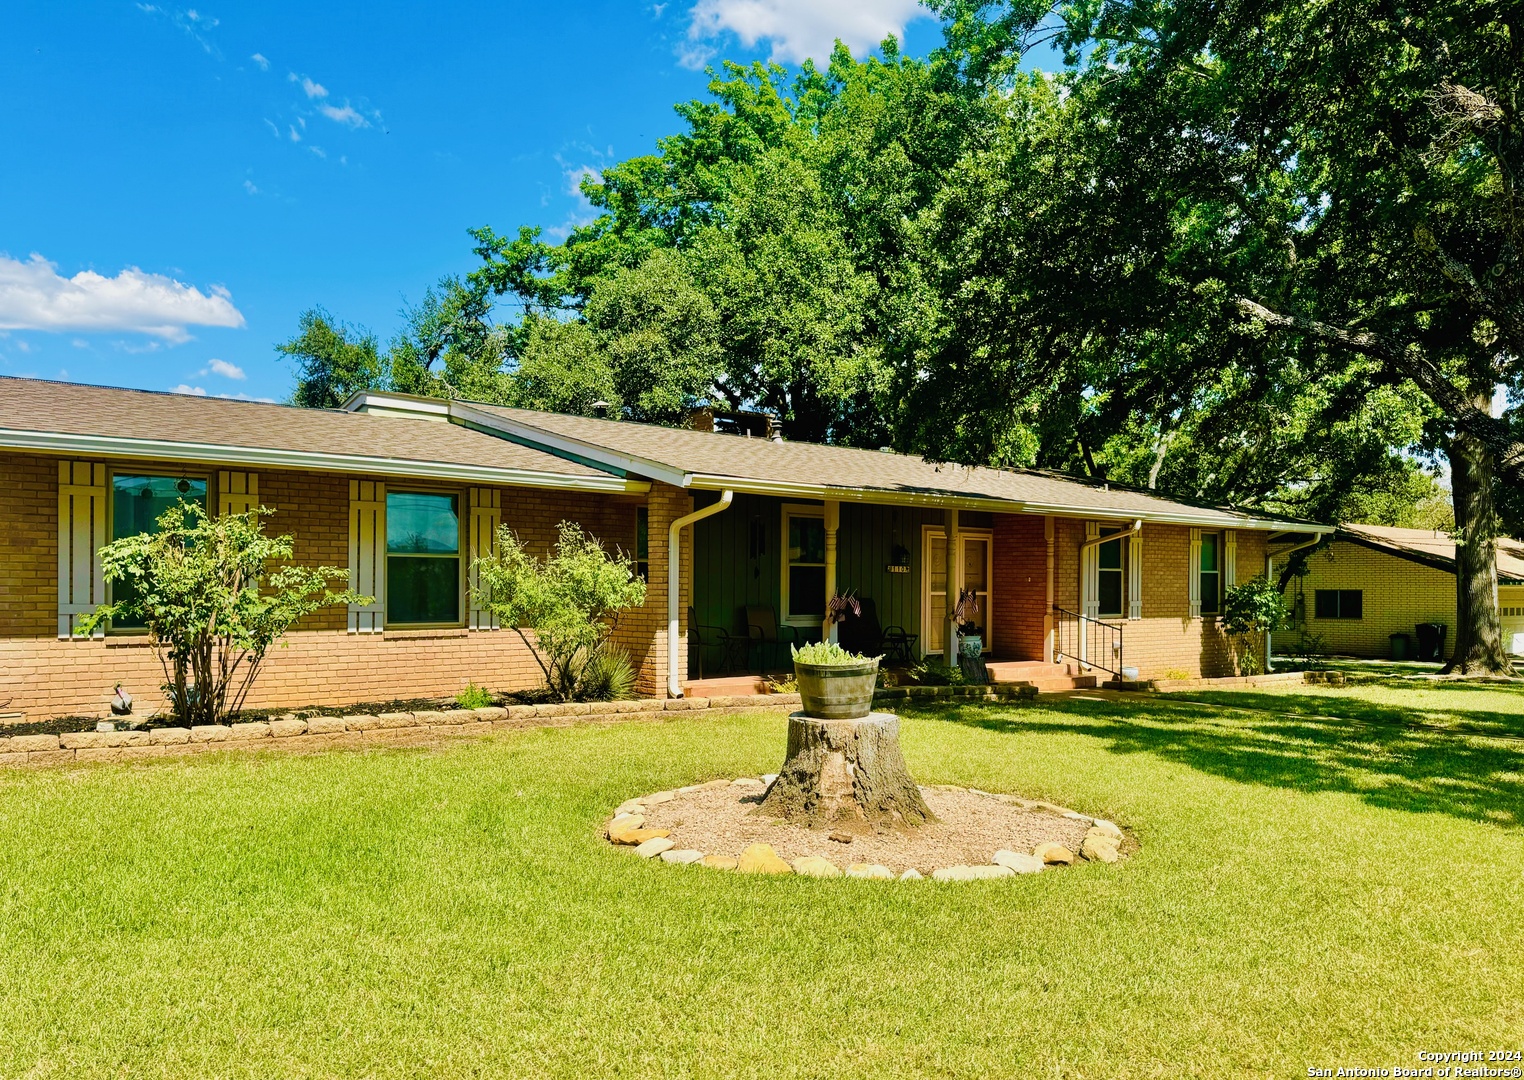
[118, 446]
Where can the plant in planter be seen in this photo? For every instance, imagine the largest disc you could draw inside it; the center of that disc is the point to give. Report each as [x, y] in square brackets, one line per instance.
[970, 641]
[834, 684]
[843, 765]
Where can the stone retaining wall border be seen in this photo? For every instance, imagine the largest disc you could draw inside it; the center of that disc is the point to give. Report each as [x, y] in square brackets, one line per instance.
[293, 732]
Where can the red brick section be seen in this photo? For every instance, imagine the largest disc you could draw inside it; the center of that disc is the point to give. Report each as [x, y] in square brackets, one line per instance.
[1166, 640]
[1021, 586]
[319, 663]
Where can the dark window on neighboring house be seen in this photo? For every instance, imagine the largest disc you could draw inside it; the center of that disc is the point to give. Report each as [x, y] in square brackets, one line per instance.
[643, 543]
[1339, 604]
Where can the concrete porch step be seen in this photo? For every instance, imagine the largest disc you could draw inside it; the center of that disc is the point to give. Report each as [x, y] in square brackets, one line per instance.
[1046, 677]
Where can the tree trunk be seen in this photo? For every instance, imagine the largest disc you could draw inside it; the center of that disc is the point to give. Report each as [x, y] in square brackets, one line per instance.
[845, 773]
[1479, 629]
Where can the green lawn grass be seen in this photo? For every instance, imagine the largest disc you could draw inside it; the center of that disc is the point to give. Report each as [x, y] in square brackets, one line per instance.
[1327, 877]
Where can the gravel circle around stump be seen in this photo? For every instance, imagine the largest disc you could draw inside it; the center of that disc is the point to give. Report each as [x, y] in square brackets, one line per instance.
[977, 835]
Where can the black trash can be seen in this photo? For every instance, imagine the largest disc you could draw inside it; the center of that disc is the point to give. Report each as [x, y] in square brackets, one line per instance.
[1402, 647]
[1431, 641]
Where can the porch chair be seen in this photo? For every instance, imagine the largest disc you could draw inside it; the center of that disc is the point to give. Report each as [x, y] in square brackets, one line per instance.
[861, 633]
[701, 636]
[765, 636]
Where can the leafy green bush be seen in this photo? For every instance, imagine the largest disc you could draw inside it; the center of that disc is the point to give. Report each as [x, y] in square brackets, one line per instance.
[1249, 611]
[571, 600]
[826, 654]
[473, 697]
[932, 672]
[608, 675]
[201, 586]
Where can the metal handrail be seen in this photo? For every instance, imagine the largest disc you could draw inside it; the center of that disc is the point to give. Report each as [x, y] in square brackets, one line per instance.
[1090, 642]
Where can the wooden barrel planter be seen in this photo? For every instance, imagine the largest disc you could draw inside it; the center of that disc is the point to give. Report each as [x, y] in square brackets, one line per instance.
[836, 691]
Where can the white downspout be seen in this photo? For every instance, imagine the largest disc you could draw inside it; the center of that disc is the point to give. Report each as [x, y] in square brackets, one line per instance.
[674, 585]
[1270, 576]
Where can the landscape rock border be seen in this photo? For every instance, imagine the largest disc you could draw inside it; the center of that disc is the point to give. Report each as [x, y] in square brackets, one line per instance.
[291, 732]
[1103, 842]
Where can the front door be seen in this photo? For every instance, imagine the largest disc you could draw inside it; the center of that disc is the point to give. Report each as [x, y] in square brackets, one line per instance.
[974, 572]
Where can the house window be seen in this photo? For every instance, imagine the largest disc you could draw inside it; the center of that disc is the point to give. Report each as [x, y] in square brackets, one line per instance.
[422, 559]
[136, 505]
[804, 598]
[1109, 577]
[643, 543]
[1211, 573]
[1339, 604]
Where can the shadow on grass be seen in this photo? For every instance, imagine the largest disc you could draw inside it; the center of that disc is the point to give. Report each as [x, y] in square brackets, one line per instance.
[1390, 756]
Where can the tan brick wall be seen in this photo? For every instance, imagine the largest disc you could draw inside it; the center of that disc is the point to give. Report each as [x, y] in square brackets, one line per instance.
[1399, 594]
[321, 662]
[1166, 638]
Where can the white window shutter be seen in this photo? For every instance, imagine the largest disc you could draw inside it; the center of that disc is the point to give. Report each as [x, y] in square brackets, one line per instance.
[1229, 559]
[1090, 573]
[1135, 576]
[486, 515]
[1195, 571]
[237, 492]
[81, 535]
[367, 555]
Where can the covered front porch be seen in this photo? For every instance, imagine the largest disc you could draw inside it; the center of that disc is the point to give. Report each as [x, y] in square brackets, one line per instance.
[761, 572]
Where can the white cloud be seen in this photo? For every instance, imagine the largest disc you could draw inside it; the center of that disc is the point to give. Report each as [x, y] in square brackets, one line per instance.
[251, 187]
[319, 151]
[34, 296]
[797, 28]
[193, 391]
[346, 115]
[295, 135]
[225, 369]
[264, 64]
[310, 87]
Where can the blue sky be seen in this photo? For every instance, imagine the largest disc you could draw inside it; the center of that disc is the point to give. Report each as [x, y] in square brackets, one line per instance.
[182, 181]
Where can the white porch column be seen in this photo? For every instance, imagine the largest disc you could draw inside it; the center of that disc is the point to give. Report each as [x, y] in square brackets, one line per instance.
[950, 633]
[832, 521]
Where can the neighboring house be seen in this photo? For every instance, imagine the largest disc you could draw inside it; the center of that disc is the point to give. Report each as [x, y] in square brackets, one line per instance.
[1371, 581]
[406, 491]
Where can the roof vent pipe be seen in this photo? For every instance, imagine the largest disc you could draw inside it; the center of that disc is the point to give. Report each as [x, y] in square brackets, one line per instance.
[774, 428]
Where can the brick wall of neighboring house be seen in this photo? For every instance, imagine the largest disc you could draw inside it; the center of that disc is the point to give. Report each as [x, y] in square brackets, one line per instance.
[1398, 595]
[321, 663]
[1166, 640]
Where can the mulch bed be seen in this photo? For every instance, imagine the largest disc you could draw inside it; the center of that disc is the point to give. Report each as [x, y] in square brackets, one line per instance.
[970, 828]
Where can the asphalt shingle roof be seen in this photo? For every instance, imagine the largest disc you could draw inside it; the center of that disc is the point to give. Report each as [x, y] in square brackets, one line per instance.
[35, 405]
[715, 454]
[1437, 548]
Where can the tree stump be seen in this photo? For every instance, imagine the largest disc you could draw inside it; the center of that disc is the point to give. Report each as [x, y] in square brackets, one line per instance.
[845, 773]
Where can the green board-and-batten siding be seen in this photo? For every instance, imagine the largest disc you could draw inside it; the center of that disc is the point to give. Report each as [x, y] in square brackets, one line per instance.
[738, 558]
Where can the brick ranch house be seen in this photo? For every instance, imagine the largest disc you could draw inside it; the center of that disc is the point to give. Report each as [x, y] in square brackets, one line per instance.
[406, 491]
[1369, 582]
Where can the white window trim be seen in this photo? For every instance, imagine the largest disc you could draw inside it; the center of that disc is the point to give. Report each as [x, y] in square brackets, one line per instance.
[794, 510]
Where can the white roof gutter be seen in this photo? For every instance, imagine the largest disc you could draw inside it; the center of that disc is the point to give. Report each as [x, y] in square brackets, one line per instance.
[674, 585]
